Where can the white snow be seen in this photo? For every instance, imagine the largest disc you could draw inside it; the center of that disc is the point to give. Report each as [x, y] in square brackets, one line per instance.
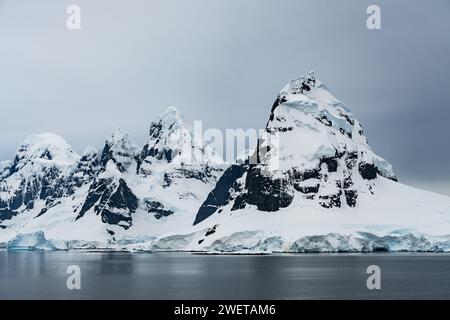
[45, 147]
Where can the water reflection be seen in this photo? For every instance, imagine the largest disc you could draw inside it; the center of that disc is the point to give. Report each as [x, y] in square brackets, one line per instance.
[32, 275]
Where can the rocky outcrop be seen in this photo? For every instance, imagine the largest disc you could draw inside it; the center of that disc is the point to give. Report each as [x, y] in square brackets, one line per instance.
[222, 193]
[113, 200]
[157, 209]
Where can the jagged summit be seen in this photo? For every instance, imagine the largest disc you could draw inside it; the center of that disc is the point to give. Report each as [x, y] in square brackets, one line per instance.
[168, 137]
[120, 149]
[171, 141]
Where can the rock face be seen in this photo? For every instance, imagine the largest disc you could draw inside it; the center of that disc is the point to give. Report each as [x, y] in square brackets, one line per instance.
[168, 138]
[109, 196]
[113, 200]
[158, 209]
[322, 156]
[120, 150]
[222, 193]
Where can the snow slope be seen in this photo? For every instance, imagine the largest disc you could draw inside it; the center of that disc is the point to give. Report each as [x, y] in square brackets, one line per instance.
[396, 218]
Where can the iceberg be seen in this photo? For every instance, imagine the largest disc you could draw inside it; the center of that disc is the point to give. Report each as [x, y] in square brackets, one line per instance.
[35, 241]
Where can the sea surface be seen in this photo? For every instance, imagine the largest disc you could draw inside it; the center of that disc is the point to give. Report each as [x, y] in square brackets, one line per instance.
[115, 275]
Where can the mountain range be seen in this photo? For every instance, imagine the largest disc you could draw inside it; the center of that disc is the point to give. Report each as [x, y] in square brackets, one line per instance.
[313, 184]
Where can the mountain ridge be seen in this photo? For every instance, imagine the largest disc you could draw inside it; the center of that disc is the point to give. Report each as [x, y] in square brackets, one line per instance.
[313, 183]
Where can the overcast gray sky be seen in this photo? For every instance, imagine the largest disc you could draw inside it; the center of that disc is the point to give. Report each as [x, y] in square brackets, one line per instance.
[224, 61]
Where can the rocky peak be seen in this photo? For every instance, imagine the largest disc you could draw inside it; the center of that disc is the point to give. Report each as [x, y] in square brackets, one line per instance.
[120, 149]
[322, 156]
[171, 141]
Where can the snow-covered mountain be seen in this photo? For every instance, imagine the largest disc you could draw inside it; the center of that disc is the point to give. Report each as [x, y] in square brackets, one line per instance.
[321, 156]
[36, 174]
[105, 197]
[327, 192]
[313, 184]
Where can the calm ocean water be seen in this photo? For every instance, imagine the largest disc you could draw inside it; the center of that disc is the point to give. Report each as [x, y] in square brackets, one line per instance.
[42, 275]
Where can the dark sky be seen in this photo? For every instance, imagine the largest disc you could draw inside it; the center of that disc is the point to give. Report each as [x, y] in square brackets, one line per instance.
[224, 61]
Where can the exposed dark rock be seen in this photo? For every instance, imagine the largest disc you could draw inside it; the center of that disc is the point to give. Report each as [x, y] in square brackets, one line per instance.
[347, 118]
[278, 129]
[156, 134]
[96, 192]
[120, 150]
[351, 159]
[331, 201]
[307, 189]
[49, 204]
[165, 154]
[306, 174]
[279, 100]
[239, 202]
[211, 230]
[202, 175]
[220, 196]
[266, 193]
[158, 209]
[5, 172]
[122, 199]
[17, 199]
[331, 163]
[347, 182]
[368, 171]
[350, 197]
[7, 214]
[325, 121]
[85, 171]
[113, 200]
[44, 186]
[167, 180]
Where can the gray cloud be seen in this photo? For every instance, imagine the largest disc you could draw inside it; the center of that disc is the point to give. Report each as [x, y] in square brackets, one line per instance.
[224, 62]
